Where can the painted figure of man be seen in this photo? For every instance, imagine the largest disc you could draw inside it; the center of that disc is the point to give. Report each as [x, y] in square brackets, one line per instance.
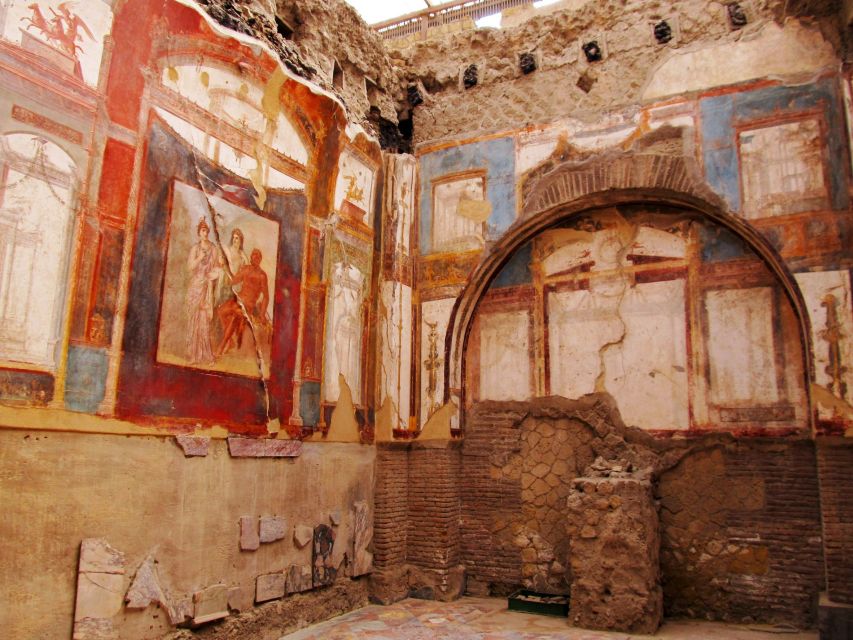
[203, 266]
[252, 295]
[235, 258]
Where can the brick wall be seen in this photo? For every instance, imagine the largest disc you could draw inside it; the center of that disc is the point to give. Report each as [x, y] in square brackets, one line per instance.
[493, 565]
[787, 525]
[740, 520]
[741, 536]
[390, 506]
[835, 462]
[434, 535]
[417, 514]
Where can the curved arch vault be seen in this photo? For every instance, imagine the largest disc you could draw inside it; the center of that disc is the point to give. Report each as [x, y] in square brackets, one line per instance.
[570, 187]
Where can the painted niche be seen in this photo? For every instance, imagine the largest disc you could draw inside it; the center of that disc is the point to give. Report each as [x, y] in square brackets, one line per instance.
[674, 317]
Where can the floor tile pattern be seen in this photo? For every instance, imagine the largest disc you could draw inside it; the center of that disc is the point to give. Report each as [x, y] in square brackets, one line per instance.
[489, 619]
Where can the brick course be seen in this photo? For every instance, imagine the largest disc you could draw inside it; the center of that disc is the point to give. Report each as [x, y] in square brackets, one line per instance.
[835, 464]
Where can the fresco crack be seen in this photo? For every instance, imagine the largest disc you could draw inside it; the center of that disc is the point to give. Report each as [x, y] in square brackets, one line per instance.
[247, 316]
[626, 236]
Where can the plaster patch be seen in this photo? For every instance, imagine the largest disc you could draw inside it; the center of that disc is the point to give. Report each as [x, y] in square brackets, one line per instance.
[438, 426]
[796, 50]
[343, 427]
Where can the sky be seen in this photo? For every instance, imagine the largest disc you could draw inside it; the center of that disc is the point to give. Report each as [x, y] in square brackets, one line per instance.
[373, 11]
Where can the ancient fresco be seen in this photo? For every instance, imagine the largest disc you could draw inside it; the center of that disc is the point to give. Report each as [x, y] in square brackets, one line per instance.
[828, 298]
[505, 369]
[164, 217]
[354, 190]
[460, 211]
[67, 35]
[34, 244]
[217, 312]
[782, 169]
[607, 303]
[344, 332]
[435, 316]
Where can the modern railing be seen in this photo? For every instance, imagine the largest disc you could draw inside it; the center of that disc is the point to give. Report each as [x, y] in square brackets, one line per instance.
[420, 22]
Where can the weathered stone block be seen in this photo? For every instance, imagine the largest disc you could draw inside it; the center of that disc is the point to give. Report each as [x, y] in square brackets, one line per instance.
[299, 578]
[272, 529]
[269, 587]
[614, 556]
[249, 539]
[210, 604]
[193, 446]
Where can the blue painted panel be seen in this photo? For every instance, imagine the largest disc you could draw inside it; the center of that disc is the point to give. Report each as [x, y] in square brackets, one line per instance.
[497, 157]
[721, 114]
[517, 270]
[719, 153]
[86, 378]
[719, 244]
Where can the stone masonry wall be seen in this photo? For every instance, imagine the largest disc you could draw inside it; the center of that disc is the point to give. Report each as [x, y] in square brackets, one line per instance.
[321, 34]
[565, 83]
[740, 521]
[615, 543]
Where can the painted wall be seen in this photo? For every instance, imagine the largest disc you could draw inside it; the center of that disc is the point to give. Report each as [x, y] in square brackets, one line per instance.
[778, 157]
[187, 235]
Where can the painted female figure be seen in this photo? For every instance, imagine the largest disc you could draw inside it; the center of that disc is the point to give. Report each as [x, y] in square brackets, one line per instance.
[203, 267]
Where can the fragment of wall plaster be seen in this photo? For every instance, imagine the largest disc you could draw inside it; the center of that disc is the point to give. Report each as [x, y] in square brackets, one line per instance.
[146, 589]
[834, 405]
[798, 49]
[302, 535]
[385, 419]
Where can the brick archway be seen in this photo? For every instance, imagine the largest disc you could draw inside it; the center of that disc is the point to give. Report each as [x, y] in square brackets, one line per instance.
[567, 186]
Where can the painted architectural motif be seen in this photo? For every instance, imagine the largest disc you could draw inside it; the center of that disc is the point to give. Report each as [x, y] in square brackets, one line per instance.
[673, 315]
[176, 239]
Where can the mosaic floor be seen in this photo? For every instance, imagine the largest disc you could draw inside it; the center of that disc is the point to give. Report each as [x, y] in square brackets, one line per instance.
[488, 619]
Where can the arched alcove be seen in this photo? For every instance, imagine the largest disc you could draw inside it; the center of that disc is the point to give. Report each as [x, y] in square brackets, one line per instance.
[570, 187]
